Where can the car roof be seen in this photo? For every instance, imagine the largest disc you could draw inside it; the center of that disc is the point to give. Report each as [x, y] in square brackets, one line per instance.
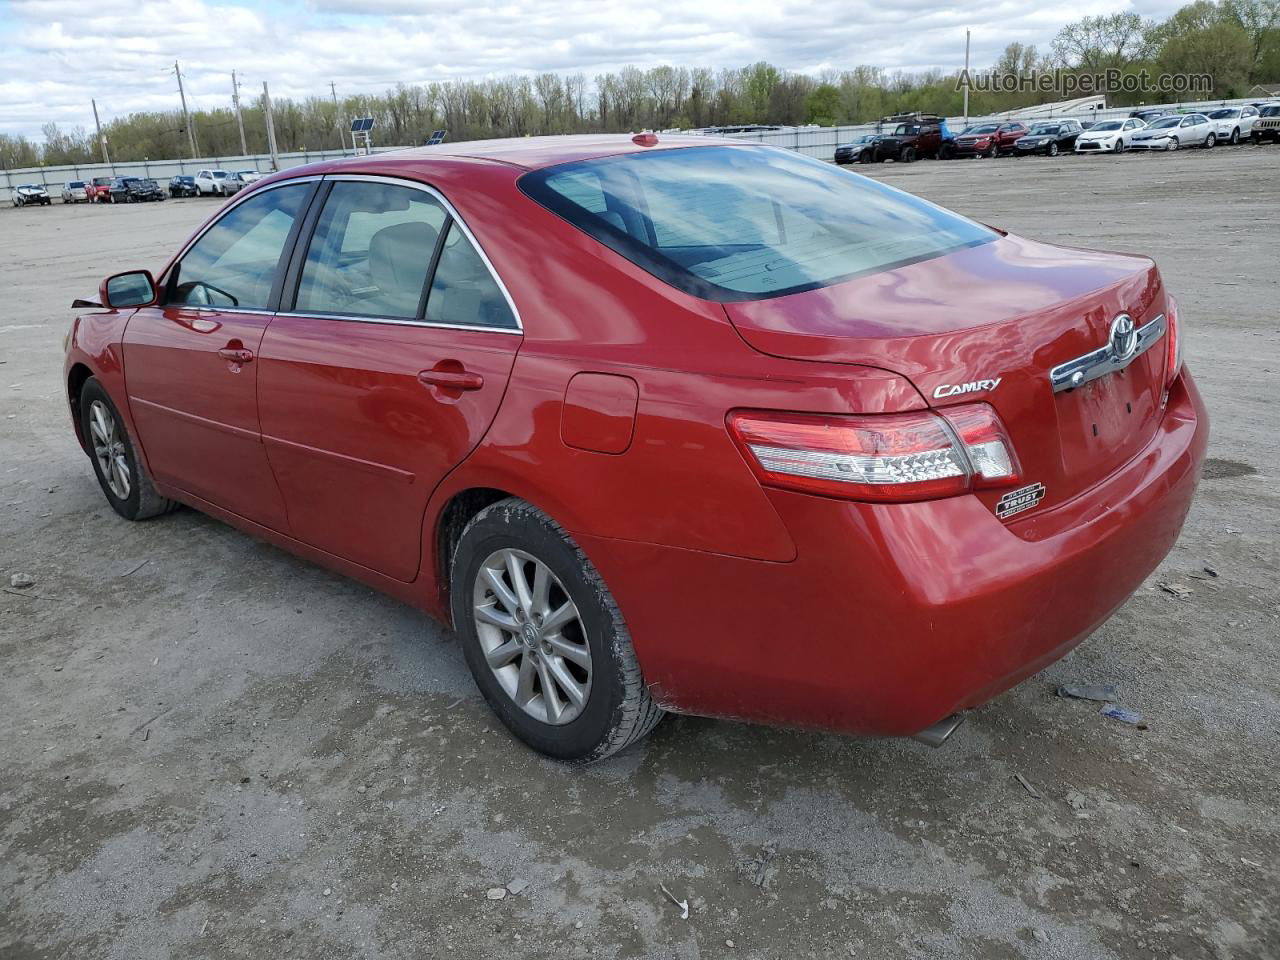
[531, 153]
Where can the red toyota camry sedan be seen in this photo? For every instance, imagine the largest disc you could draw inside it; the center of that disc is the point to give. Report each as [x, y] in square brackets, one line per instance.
[661, 423]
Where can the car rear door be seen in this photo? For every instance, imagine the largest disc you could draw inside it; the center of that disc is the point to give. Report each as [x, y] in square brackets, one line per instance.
[385, 369]
[191, 365]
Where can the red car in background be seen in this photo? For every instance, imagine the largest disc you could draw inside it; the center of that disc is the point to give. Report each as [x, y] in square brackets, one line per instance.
[988, 139]
[98, 190]
[661, 423]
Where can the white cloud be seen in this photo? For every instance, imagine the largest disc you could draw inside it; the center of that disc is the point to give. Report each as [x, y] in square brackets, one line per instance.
[58, 54]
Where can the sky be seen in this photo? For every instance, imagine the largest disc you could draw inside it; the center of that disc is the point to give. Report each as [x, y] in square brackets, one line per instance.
[57, 55]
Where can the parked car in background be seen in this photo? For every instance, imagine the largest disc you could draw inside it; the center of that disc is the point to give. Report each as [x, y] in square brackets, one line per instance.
[1149, 114]
[215, 183]
[99, 189]
[1233, 124]
[75, 191]
[1049, 137]
[833, 456]
[988, 139]
[183, 186]
[1108, 136]
[30, 195]
[135, 190]
[861, 150]
[248, 176]
[914, 137]
[1174, 132]
[1267, 127]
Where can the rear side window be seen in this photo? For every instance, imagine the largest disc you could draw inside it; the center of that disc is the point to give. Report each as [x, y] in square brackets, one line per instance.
[463, 291]
[371, 251]
[744, 223]
[235, 262]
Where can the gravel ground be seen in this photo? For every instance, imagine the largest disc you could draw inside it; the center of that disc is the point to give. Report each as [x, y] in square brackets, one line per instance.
[212, 749]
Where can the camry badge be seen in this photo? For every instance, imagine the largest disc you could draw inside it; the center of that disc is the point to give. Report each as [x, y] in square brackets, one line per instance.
[955, 389]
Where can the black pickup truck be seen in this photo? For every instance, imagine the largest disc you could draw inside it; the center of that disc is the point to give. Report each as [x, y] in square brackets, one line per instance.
[135, 190]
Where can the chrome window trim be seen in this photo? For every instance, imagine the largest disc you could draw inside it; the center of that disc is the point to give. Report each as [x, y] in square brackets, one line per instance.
[398, 322]
[1099, 363]
[457, 219]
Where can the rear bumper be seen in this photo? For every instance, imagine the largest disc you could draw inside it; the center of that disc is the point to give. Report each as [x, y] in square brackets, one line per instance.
[894, 616]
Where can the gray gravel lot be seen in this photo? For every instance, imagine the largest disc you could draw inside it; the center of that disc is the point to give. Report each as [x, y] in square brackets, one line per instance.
[227, 752]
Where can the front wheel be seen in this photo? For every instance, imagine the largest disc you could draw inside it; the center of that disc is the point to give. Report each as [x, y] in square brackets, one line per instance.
[908, 155]
[1235, 136]
[1173, 143]
[543, 637]
[993, 152]
[121, 473]
[1119, 147]
[1053, 149]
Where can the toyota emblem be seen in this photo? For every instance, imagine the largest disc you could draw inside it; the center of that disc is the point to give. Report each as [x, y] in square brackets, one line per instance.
[1124, 338]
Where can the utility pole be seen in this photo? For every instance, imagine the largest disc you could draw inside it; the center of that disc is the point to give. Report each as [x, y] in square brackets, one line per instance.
[235, 98]
[337, 119]
[102, 141]
[966, 77]
[271, 127]
[186, 117]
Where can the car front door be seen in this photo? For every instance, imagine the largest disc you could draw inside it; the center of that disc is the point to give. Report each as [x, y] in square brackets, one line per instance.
[385, 372]
[191, 365]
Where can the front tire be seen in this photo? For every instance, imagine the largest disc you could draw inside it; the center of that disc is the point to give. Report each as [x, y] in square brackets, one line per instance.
[1235, 136]
[1053, 150]
[120, 471]
[908, 155]
[1173, 143]
[543, 637]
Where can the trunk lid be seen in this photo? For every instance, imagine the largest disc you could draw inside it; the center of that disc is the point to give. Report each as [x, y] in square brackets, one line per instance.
[1003, 313]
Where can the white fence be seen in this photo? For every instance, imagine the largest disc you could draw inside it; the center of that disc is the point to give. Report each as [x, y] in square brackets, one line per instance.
[818, 142]
[161, 171]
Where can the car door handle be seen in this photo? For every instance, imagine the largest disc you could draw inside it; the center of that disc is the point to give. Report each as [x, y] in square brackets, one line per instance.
[451, 379]
[236, 355]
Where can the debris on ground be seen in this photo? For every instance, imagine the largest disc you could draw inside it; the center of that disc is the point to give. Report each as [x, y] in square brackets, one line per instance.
[22, 581]
[1027, 784]
[496, 893]
[1131, 717]
[1210, 571]
[1077, 800]
[1176, 589]
[517, 886]
[135, 568]
[760, 870]
[682, 904]
[1101, 692]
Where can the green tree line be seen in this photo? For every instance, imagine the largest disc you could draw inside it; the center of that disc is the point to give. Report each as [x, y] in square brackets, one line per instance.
[1237, 42]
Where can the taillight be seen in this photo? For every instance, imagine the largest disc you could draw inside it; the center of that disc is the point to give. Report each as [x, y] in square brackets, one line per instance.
[1173, 334]
[888, 458]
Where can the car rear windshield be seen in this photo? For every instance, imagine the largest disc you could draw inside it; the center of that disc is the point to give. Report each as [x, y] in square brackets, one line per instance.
[746, 223]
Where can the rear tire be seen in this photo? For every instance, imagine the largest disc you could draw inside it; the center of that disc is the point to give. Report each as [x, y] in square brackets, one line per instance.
[119, 468]
[499, 621]
[1210, 141]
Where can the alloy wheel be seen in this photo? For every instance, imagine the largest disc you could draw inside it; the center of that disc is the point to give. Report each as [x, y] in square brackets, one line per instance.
[532, 636]
[109, 449]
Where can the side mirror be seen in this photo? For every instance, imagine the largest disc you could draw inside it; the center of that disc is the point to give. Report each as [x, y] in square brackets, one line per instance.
[133, 289]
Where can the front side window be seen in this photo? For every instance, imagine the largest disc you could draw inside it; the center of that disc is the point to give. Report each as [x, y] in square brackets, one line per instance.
[371, 251]
[744, 223]
[235, 262]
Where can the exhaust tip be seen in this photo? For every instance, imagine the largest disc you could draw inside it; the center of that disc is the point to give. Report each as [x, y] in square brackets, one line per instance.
[941, 731]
